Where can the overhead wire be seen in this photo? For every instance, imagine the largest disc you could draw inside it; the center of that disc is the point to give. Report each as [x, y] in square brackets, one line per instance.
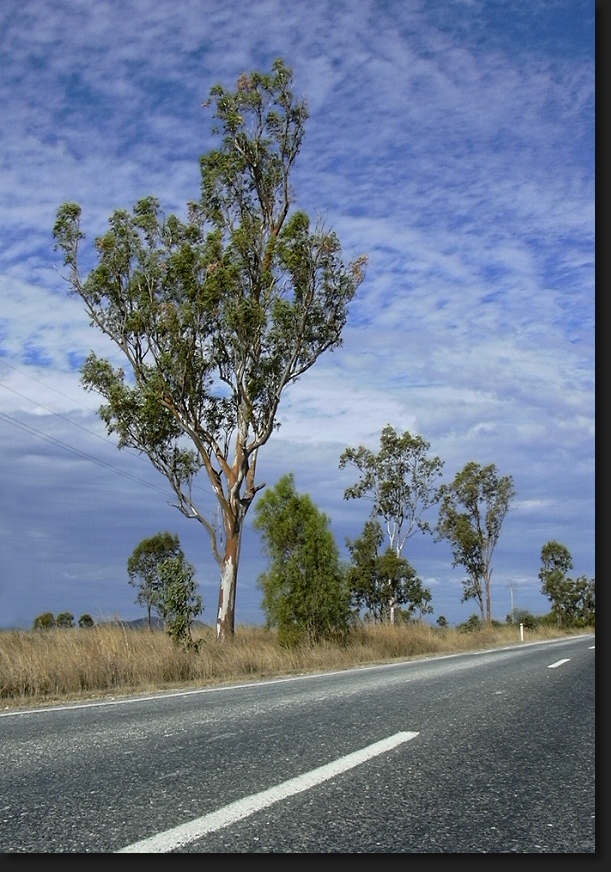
[51, 439]
[54, 441]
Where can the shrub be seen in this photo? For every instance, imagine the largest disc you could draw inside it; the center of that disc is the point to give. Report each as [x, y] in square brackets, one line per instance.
[522, 616]
[64, 619]
[471, 624]
[44, 621]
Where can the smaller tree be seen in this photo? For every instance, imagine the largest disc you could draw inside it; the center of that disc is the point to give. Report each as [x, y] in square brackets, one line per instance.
[177, 599]
[383, 583]
[143, 570]
[304, 591]
[405, 587]
[573, 600]
[473, 508]
[363, 575]
[584, 602]
[522, 616]
[399, 481]
[44, 622]
[64, 619]
[473, 623]
[86, 620]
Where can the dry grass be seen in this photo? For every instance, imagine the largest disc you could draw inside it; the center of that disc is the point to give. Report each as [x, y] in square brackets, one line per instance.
[58, 665]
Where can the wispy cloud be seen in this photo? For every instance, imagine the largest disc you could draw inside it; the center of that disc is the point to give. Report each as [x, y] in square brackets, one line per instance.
[450, 141]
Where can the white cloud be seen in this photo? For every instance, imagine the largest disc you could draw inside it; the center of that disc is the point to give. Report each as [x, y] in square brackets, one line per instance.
[456, 151]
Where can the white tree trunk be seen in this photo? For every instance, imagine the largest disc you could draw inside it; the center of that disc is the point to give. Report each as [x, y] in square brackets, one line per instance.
[226, 608]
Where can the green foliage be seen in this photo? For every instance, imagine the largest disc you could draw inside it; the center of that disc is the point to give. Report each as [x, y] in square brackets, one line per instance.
[548, 620]
[383, 583]
[304, 591]
[399, 481]
[166, 584]
[573, 600]
[362, 574]
[473, 508]
[442, 621]
[143, 568]
[177, 599]
[522, 616]
[216, 315]
[472, 624]
[64, 619]
[86, 620]
[44, 622]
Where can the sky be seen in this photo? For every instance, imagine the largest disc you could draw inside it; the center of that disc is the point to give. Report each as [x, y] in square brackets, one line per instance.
[451, 141]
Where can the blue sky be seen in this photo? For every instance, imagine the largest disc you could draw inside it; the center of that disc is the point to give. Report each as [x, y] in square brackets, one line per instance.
[452, 141]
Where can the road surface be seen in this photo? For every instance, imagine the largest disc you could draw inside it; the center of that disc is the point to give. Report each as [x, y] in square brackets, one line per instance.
[491, 752]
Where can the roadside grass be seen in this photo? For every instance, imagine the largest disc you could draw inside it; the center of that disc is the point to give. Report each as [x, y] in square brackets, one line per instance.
[44, 667]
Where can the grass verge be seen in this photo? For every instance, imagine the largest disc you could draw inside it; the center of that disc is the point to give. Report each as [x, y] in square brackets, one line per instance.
[62, 665]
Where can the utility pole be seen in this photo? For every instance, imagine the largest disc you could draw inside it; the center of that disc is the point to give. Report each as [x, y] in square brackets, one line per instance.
[511, 589]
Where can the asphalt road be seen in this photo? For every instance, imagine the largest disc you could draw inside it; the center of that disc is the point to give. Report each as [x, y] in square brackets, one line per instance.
[491, 752]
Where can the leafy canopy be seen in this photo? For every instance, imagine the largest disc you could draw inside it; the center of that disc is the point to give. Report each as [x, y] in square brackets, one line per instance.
[178, 600]
[144, 569]
[573, 600]
[399, 480]
[304, 591]
[471, 514]
[217, 314]
[383, 582]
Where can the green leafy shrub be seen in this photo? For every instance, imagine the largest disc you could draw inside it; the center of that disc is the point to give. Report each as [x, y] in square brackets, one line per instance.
[65, 620]
[471, 624]
[44, 621]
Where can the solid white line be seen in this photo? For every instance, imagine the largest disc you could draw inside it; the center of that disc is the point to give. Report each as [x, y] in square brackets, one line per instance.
[558, 663]
[165, 842]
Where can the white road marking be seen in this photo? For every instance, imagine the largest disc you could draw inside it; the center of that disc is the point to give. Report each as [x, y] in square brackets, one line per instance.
[182, 835]
[558, 663]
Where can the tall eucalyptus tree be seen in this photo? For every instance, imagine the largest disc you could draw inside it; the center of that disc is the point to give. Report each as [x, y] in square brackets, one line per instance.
[215, 315]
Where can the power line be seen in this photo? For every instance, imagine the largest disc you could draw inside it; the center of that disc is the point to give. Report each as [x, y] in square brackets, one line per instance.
[44, 384]
[75, 424]
[78, 452]
[57, 414]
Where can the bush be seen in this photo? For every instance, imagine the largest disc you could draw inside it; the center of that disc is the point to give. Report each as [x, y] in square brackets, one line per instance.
[548, 620]
[305, 595]
[85, 620]
[522, 616]
[177, 600]
[471, 624]
[44, 621]
[64, 619]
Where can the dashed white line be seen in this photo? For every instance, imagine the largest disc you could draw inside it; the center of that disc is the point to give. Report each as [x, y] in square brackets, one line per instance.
[163, 843]
[558, 663]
